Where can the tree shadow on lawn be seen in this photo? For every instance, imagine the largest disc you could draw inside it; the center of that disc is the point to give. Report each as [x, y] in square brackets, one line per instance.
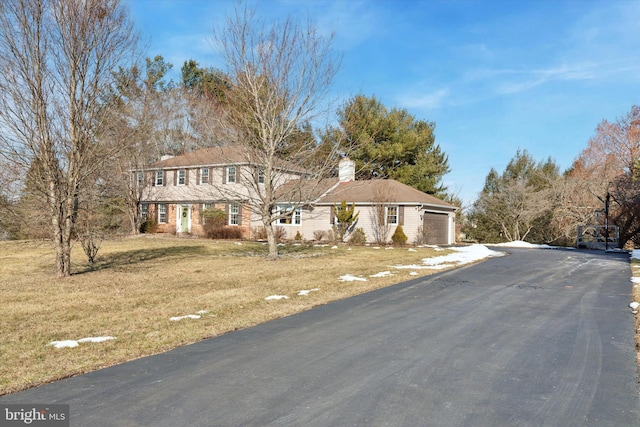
[137, 256]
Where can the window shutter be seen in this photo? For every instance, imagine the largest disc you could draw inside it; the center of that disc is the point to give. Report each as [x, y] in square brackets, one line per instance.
[224, 175]
[401, 215]
[332, 215]
[153, 179]
[237, 174]
[239, 214]
[200, 212]
[175, 177]
[186, 177]
[198, 176]
[210, 177]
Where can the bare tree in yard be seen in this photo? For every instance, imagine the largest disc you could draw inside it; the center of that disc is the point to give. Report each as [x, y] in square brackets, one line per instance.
[382, 197]
[279, 75]
[609, 166]
[56, 61]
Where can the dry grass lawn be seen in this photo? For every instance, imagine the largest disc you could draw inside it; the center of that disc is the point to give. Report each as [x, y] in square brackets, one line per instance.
[139, 283]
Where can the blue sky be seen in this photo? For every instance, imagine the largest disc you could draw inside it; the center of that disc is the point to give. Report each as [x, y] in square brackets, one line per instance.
[495, 76]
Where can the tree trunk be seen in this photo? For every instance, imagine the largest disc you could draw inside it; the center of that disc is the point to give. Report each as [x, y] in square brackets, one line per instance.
[271, 238]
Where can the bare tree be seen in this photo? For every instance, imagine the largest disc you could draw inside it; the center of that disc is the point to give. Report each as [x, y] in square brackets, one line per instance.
[382, 197]
[56, 61]
[279, 76]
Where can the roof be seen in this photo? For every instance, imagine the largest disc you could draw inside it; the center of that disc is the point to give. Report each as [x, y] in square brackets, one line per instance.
[380, 190]
[217, 156]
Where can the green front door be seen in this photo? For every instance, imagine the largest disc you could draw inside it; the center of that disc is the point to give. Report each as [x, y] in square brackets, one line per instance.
[184, 219]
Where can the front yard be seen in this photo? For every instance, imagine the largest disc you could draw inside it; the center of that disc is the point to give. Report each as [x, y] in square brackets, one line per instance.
[146, 295]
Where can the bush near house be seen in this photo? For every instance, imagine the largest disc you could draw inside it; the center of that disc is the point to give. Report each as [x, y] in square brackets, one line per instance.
[399, 238]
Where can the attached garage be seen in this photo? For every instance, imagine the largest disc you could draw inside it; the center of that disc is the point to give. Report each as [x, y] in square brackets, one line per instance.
[437, 228]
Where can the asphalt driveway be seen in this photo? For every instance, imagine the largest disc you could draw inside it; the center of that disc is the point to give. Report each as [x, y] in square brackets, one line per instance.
[535, 338]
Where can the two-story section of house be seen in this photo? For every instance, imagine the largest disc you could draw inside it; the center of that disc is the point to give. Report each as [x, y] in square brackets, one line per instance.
[177, 190]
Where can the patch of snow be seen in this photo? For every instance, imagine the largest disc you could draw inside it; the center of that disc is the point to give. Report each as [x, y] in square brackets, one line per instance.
[376, 247]
[334, 247]
[202, 312]
[96, 339]
[351, 278]
[413, 273]
[463, 255]
[634, 305]
[64, 343]
[389, 247]
[635, 279]
[238, 243]
[188, 316]
[521, 244]
[76, 343]
[276, 297]
[381, 274]
[305, 292]
[412, 250]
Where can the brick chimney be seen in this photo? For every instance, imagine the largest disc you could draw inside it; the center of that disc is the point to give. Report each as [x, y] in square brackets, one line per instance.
[347, 170]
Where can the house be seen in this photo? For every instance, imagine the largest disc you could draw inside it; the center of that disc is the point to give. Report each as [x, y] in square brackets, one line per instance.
[382, 205]
[179, 189]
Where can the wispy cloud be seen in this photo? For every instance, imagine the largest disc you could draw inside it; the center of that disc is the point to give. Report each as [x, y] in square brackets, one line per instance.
[428, 101]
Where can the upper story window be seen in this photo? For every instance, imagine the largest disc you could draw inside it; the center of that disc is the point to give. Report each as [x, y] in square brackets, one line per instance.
[204, 176]
[260, 176]
[159, 178]
[291, 215]
[231, 174]
[182, 177]
[139, 179]
[392, 215]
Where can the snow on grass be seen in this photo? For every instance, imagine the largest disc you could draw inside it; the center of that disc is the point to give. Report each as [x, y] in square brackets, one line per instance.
[462, 255]
[188, 316]
[352, 278]
[635, 279]
[382, 274]
[76, 343]
[276, 297]
[306, 292]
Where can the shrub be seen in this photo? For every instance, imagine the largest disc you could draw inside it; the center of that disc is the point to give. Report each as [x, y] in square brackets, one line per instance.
[357, 237]
[259, 233]
[298, 236]
[149, 226]
[319, 235]
[399, 238]
[226, 232]
[280, 233]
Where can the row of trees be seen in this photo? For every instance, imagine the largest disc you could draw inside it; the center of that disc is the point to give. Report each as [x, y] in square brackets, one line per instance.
[78, 114]
[536, 202]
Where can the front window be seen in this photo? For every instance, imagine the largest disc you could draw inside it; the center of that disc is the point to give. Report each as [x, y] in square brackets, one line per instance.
[204, 176]
[291, 215]
[162, 213]
[231, 174]
[182, 177]
[139, 179]
[234, 214]
[159, 178]
[144, 211]
[392, 215]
